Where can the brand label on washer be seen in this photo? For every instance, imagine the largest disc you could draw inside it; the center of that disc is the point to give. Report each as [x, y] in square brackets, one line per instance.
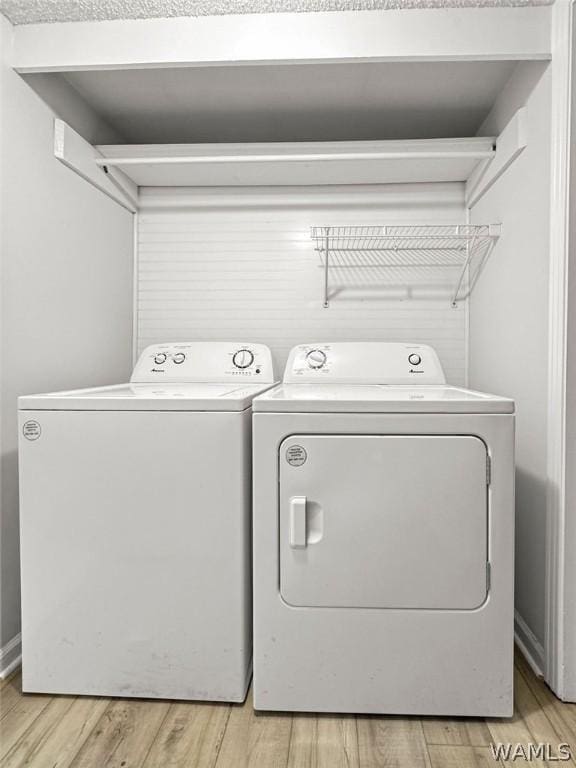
[31, 430]
[296, 455]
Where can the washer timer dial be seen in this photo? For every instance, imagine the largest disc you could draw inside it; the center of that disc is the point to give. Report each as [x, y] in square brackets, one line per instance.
[316, 358]
[243, 358]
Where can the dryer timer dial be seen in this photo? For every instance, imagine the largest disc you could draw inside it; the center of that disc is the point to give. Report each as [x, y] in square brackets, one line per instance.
[316, 358]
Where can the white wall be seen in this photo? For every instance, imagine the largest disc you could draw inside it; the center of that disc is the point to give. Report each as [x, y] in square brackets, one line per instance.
[509, 327]
[570, 533]
[215, 264]
[66, 301]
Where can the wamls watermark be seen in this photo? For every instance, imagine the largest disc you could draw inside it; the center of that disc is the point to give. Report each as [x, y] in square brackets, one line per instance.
[529, 752]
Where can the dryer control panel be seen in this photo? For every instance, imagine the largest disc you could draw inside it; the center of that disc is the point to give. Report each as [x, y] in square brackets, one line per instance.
[370, 362]
[204, 361]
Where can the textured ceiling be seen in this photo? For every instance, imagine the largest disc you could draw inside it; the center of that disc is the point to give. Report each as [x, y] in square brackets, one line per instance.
[50, 11]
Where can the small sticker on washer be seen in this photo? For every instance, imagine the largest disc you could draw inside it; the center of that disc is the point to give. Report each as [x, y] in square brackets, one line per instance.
[31, 430]
[296, 455]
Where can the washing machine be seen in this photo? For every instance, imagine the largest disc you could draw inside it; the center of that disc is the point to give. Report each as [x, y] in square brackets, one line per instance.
[383, 537]
[136, 528]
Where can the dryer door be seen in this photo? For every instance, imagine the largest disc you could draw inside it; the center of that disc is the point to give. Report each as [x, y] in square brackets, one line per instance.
[383, 521]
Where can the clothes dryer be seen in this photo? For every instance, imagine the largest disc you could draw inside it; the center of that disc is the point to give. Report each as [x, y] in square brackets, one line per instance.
[383, 537]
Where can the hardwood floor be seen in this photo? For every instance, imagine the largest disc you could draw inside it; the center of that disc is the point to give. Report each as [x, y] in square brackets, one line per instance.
[82, 732]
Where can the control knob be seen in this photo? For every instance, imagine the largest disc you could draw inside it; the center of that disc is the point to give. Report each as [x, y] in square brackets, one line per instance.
[414, 359]
[160, 358]
[178, 358]
[316, 358]
[243, 358]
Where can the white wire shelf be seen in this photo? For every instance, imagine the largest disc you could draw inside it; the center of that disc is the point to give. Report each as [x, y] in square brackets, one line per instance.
[460, 249]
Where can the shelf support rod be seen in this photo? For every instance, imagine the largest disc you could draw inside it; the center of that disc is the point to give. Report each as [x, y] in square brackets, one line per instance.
[469, 254]
[326, 265]
[319, 157]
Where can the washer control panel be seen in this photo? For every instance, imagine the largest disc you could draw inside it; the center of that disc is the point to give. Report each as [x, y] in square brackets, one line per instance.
[370, 362]
[204, 361]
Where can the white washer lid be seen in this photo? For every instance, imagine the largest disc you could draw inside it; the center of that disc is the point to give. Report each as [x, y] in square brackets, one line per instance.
[148, 397]
[378, 398]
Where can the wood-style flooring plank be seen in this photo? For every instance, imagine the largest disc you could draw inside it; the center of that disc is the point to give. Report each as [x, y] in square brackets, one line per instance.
[55, 742]
[539, 706]
[19, 718]
[323, 741]
[190, 736]
[123, 735]
[562, 714]
[391, 742]
[444, 756]
[29, 745]
[461, 732]
[254, 740]
[512, 731]
[535, 716]
[10, 693]
[4, 681]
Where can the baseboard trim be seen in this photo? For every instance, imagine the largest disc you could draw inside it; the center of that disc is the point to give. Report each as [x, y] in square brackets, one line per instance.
[10, 656]
[531, 648]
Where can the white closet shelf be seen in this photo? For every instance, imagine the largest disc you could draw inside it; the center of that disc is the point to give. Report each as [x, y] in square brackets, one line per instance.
[301, 163]
[462, 248]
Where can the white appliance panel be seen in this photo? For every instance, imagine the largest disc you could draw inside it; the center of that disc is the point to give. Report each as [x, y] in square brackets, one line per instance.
[378, 398]
[408, 661]
[367, 362]
[205, 361]
[135, 533]
[387, 521]
[149, 397]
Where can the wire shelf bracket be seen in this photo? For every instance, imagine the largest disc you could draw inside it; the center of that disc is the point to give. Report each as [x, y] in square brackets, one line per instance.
[461, 249]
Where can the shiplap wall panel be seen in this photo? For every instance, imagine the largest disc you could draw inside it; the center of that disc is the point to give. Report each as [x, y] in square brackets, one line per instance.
[217, 266]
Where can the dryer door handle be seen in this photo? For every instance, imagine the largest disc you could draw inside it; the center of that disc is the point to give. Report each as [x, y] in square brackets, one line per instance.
[298, 522]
